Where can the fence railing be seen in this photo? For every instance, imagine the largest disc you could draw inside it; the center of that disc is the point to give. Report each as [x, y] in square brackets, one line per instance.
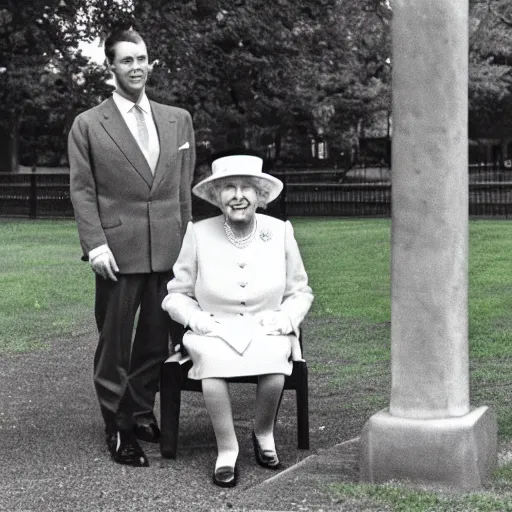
[357, 175]
[338, 199]
[35, 195]
[47, 196]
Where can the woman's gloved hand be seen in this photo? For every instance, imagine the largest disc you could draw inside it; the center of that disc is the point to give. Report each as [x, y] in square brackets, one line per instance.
[296, 351]
[274, 322]
[202, 322]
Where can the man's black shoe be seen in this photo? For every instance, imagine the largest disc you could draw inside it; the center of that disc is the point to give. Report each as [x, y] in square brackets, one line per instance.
[147, 430]
[111, 438]
[126, 449]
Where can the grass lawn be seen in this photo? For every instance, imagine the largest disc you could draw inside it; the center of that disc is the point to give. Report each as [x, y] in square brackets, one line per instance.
[47, 294]
[47, 291]
[348, 263]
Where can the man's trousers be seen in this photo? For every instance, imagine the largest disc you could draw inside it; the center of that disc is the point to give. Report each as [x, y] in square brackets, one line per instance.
[127, 362]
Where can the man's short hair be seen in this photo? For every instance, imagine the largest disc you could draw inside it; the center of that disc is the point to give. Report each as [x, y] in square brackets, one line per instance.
[126, 34]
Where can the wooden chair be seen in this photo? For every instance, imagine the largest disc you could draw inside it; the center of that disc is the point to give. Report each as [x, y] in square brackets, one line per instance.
[174, 380]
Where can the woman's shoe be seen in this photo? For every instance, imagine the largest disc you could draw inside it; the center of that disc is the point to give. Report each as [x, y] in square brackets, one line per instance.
[266, 459]
[225, 476]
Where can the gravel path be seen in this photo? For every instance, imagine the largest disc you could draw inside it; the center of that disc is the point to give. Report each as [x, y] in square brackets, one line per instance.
[54, 458]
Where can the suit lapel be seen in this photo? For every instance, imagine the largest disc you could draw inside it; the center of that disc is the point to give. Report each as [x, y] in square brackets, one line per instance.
[116, 127]
[166, 127]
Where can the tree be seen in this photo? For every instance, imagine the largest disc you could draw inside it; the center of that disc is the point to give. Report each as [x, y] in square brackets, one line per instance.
[251, 72]
[354, 74]
[254, 71]
[44, 80]
[70, 86]
[490, 92]
[31, 39]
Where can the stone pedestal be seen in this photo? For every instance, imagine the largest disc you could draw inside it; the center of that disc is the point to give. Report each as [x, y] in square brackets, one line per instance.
[429, 434]
[459, 452]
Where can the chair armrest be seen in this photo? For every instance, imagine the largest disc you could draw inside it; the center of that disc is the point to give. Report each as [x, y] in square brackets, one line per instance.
[177, 358]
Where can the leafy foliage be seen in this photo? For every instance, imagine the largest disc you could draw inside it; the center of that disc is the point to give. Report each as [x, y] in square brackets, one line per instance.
[253, 71]
[490, 84]
[44, 80]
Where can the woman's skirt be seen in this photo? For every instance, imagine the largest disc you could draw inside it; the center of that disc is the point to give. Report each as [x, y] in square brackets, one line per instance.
[213, 357]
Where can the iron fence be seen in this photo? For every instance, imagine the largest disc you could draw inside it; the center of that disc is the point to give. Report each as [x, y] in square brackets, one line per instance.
[321, 194]
[337, 199]
[35, 195]
[486, 173]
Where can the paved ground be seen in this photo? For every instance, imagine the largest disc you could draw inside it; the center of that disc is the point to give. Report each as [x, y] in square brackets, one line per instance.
[305, 485]
[54, 459]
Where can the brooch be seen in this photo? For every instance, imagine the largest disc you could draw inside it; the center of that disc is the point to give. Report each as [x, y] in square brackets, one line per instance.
[265, 235]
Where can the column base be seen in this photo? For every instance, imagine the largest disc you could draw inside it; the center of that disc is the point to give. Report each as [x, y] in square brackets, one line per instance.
[458, 452]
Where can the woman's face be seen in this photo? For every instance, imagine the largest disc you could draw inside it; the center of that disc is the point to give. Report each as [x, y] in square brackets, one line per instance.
[238, 200]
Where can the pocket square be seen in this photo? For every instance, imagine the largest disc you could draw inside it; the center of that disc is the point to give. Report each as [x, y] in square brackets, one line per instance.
[184, 146]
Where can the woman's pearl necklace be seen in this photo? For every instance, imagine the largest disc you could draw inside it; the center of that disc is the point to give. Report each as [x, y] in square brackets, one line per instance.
[242, 242]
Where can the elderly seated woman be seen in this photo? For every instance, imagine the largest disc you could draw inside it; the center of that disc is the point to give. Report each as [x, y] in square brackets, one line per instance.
[241, 288]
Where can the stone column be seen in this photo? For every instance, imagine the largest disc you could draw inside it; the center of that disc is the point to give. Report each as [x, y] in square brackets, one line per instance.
[429, 433]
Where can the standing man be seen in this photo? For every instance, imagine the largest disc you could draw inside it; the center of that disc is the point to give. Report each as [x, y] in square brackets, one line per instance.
[132, 163]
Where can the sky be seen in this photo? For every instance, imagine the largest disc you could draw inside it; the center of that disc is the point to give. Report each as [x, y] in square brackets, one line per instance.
[96, 54]
[93, 51]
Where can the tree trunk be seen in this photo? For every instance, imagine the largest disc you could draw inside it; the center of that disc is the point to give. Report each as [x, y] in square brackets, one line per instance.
[277, 139]
[9, 136]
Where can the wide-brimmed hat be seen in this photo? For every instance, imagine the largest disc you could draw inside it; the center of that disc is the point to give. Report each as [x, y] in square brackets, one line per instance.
[237, 165]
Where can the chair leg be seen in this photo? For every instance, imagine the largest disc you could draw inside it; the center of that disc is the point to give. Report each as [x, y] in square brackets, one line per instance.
[171, 381]
[301, 394]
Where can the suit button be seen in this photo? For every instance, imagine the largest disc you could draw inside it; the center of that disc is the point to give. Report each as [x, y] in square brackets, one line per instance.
[149, 201]
[243, 284]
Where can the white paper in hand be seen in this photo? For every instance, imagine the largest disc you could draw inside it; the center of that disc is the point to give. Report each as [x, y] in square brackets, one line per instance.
[238, 333]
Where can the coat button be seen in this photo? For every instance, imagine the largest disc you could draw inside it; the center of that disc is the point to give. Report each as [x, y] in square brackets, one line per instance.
[242, 303]
[242, 264]
[243, 284]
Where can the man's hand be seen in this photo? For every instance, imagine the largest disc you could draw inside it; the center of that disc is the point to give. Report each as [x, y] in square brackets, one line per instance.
[202, 323]
[105, 265]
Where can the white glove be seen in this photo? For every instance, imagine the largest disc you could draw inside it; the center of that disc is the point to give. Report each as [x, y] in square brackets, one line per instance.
[296, 351]
[105, 265]
[274, 322]
[202, 322]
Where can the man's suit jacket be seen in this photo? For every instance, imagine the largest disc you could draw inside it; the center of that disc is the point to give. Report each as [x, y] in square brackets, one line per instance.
[116, 199]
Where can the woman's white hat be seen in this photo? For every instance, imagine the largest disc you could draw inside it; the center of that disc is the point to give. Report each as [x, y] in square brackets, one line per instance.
[237, 165]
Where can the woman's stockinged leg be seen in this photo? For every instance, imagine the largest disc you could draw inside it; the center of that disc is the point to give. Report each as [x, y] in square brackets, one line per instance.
[268, 395]
[218, 404]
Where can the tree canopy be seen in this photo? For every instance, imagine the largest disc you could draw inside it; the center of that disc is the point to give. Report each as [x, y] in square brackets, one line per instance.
[44, 79]
[490, 47]
[251, 72]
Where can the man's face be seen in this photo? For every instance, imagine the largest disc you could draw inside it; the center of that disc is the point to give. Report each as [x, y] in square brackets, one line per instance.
[130, 68]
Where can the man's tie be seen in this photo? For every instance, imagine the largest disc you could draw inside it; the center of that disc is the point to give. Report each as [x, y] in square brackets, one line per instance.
[141, 127]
